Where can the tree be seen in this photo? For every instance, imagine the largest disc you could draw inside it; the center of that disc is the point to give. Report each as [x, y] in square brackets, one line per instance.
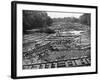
[35, 19]
[85, 19]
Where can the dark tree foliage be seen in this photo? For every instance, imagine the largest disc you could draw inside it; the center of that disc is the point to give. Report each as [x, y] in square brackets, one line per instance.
[85, 19]
[35, 19]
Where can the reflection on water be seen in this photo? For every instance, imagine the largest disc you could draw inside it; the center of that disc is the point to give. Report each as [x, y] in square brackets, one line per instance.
[71, 33]
[76, 32]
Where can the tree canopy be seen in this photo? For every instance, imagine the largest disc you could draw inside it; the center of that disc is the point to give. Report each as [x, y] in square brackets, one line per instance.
[85, 19]
[35, 19]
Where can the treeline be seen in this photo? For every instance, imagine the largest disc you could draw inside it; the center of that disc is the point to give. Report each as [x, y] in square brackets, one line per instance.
[66, 19]
[85, 19]
[35, 19]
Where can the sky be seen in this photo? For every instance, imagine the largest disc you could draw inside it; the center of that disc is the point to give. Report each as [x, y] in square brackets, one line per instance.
[62, 15]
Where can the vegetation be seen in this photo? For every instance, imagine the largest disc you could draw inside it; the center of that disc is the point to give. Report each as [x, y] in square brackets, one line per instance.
[41, 26]
[41, 21]
[85, 19]
[35, 19]
[66, 19]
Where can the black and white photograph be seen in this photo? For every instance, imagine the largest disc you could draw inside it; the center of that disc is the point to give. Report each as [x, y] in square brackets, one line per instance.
[53, 39]
[56, 39]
